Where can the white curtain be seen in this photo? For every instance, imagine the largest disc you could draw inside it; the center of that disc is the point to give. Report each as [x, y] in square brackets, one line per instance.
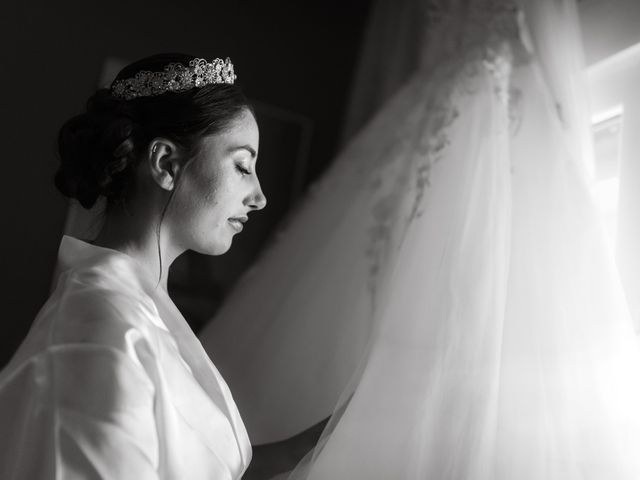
[445, 289]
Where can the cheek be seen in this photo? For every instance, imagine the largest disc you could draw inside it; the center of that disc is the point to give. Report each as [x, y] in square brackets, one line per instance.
[215, 204]
[206, 191]
[208, 200]
[191, 202]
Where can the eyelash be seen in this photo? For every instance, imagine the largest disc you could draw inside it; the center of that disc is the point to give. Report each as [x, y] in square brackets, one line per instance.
[243, 170]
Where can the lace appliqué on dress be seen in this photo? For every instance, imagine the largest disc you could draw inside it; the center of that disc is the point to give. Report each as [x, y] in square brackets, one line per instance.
[468, 42]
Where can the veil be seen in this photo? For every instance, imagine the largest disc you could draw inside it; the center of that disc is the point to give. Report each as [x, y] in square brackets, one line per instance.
[444, 292]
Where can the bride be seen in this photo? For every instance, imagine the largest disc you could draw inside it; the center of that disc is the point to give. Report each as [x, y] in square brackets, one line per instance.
[444, 293]
[110, 382]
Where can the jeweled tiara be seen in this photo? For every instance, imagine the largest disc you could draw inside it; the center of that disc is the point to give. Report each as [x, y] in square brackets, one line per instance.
[175, 78]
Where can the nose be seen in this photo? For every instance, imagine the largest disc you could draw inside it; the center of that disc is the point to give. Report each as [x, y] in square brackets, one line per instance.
[257, 200]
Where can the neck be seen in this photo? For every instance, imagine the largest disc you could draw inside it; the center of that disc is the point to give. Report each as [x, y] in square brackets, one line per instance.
[136, 235]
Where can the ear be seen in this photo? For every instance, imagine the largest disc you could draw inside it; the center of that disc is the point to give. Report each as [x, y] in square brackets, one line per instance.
[164, 160]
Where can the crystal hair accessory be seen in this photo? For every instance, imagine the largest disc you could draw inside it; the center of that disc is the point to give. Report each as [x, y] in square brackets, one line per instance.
[175, 78]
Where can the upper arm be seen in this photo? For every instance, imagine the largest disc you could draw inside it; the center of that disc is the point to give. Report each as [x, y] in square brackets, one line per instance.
[105, 407]
[85, 405]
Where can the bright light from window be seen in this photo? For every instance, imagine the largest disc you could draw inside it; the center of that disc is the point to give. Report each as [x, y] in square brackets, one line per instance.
[607, 134]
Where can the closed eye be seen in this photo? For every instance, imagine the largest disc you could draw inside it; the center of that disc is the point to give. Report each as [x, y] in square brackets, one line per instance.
[243, 170]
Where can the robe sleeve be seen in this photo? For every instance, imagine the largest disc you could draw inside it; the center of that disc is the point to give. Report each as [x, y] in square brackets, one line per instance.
[83, 407]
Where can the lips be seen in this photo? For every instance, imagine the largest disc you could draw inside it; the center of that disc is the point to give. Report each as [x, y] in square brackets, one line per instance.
[238, 223]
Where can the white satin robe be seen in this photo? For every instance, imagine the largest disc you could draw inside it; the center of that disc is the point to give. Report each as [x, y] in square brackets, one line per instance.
[111, 383]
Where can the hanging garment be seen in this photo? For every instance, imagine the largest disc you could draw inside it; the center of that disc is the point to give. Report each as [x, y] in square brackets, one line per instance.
[111, 383]
[445, 291]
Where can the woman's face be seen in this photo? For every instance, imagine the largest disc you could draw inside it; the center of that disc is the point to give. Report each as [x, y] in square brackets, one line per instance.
[218, 189]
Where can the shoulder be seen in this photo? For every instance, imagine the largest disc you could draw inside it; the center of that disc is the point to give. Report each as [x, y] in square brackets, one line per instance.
[94, 320]
[100, 304]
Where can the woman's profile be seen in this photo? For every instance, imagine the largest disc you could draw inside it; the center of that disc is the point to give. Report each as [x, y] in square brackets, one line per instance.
[110, 381]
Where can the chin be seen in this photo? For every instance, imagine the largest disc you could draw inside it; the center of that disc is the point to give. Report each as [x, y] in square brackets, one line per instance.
[215, 248]
[214, 242]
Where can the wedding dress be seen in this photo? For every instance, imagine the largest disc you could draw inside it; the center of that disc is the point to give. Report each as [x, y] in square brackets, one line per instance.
[445, 291]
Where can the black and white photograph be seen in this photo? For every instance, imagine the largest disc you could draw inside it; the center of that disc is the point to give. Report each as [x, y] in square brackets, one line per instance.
[320, 240]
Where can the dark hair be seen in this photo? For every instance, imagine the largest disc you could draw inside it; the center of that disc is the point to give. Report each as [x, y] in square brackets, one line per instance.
[99, 149]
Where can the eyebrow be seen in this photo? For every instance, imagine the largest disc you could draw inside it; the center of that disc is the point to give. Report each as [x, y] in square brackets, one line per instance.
[248, 148]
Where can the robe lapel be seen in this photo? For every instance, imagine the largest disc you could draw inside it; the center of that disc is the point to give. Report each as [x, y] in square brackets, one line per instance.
[204, 380]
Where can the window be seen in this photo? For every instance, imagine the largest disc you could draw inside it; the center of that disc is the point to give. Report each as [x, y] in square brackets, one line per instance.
[607, 135]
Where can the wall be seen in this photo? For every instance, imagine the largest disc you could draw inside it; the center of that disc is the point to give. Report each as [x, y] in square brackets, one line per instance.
[609, 26]
[295, 55]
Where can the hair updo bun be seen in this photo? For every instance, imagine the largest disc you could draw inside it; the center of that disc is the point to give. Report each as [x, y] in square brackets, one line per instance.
[99, 149]
[96, 149]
